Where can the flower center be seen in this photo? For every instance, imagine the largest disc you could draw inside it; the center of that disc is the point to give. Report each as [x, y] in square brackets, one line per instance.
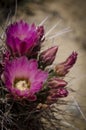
[22, 84]
[22, 36]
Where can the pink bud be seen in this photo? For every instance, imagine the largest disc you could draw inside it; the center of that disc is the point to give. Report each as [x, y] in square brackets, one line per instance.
[56, 82]
[63, 68]
[48, 56]
[61, 92]
[71, 60]
[55, 94]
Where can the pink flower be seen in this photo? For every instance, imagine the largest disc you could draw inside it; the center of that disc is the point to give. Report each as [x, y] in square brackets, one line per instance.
[22, 37]
[23, 79]
[63, 68]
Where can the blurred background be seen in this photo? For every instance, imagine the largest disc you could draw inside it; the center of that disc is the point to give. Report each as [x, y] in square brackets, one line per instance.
[69, 19]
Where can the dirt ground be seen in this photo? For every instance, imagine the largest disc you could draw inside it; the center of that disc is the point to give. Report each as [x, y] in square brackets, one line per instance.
[64, 13]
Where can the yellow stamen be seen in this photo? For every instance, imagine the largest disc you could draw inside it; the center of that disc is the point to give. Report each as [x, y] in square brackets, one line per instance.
[22, 85]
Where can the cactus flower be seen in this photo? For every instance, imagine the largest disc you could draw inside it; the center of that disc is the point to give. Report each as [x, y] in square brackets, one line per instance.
[22, 37]
[23, 79]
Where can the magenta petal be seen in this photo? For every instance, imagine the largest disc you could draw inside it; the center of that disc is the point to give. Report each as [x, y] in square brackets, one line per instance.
[17, 68]
[40, 75]
[33, 64]
[36, 87]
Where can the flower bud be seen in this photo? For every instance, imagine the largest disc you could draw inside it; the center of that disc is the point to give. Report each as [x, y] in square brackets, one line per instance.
[63, 68]
[47, 57]
[61, 92]
[71, 60]
[54, 83]
[54, 94]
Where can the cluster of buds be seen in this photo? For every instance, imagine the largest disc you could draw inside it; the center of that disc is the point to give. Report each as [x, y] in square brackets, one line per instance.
[24, 68]
[56, 90]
